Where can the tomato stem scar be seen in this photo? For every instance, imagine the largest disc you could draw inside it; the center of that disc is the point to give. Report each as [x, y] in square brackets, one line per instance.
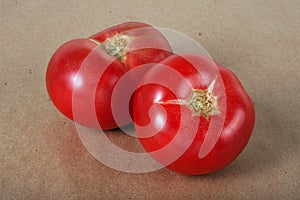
[201, 102]
[116, 46]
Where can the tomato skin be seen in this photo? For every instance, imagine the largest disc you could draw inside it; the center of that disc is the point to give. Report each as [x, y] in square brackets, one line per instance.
[235, 133]
[60, 80]
[65, 66]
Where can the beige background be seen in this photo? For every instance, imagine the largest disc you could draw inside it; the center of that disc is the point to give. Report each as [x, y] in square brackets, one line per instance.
[41, 154]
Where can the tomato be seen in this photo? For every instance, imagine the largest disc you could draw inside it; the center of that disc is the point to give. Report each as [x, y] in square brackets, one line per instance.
[192, 115]
[82, 73]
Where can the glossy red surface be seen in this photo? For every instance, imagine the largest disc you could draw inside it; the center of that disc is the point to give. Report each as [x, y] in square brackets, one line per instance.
[82, 69]
[170, 132]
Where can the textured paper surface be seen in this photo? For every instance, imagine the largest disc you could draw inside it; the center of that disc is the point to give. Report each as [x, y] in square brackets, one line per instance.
[41, 154]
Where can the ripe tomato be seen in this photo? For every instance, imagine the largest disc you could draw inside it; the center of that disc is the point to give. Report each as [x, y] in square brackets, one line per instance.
[192, 115]
[88, 69]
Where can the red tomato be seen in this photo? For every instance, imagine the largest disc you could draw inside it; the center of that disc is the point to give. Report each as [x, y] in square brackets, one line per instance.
[88, 69]
[192, 115]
